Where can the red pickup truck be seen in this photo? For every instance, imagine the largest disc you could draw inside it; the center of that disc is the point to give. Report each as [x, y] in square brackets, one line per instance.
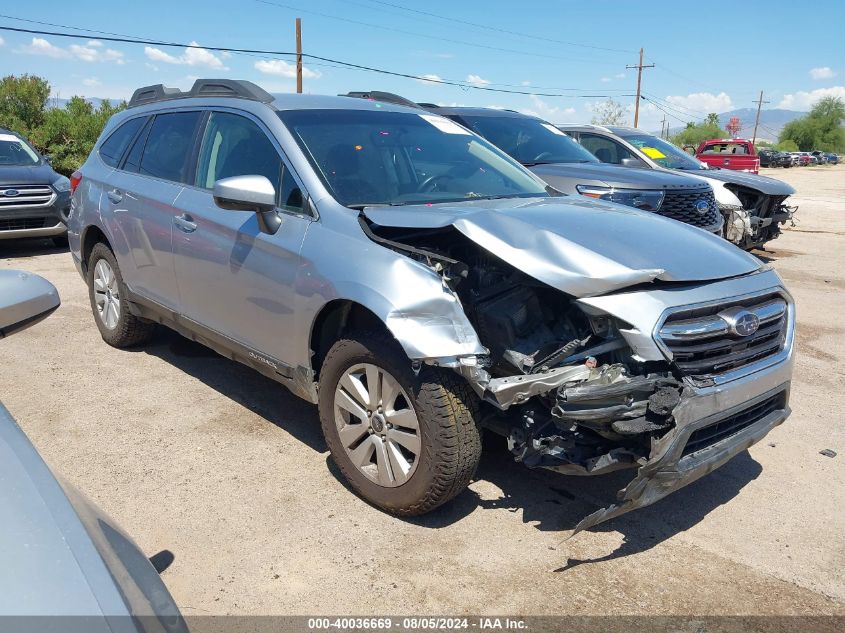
[736, 153]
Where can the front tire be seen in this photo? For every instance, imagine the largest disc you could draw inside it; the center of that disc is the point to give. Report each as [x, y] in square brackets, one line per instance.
[108, 295]
[405, 442]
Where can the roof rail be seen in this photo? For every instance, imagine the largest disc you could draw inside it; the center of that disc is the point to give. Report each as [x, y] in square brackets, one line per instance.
[385, 97]
[234, 88]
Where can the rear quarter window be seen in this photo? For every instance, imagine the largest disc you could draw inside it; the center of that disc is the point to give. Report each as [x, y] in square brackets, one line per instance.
[170, 143]
[114, 146]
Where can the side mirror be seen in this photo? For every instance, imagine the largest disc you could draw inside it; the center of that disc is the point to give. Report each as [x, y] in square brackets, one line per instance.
[25, 299]
[249, 193]
[630, 162]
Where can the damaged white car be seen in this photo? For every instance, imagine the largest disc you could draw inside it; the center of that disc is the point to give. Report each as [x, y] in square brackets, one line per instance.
[420, 286]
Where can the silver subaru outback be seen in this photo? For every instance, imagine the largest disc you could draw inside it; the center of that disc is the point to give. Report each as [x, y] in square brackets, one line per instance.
[418, 285]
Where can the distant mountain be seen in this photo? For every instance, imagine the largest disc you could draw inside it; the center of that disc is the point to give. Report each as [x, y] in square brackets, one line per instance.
[771, 122]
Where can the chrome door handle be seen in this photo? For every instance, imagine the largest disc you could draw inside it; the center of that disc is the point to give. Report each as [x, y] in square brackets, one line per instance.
[115, 196]
[185, 223]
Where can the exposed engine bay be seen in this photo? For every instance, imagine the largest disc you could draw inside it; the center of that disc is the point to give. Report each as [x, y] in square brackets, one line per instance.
[560, 384]
[760, 218]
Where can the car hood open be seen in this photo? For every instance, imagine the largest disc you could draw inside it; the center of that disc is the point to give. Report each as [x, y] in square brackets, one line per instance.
[764, 184]
[580, 246]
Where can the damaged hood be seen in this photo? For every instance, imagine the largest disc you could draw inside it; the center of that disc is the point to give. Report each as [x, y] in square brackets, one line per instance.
[580, 246]
[613, 176]
[764, 184]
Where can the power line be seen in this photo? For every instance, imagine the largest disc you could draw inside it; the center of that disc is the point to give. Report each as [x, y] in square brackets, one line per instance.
[499, 49]
[495, 29]
[328, 60]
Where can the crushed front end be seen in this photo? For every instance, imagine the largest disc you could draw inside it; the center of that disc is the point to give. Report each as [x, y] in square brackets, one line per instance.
[673, 382]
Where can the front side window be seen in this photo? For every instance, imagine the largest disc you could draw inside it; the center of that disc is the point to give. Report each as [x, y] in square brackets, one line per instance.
[395, 158]
[170, 142]
[530, 141]
[16, 151]
[664, 153]
[606, 150]
[233, 145]
[113, 147]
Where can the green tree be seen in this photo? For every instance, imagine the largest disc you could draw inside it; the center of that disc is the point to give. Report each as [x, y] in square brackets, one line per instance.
[608, 112]
[821, 129]
[22, 101]
[68, 134]
[694, 133]
[787, 146]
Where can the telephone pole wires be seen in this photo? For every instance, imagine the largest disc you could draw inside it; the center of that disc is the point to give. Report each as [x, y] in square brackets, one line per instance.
[639, 68]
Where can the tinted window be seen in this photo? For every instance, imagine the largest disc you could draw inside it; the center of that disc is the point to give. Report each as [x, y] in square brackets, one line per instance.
[235, 146]
[604, 149]
[114, 146]
[530, 141]
[168, 148]
[133, 158]
[290, 195]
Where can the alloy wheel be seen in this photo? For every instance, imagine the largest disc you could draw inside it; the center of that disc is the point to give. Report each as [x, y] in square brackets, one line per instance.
[106, 294]
[377, 424]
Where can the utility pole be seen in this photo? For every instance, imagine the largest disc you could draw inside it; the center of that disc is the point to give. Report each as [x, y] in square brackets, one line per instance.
[662, 125]
[639, 68]
[759, 103]
[298, 56]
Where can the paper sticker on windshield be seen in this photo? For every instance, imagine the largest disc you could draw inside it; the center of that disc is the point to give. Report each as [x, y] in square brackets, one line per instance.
[651, 152]
[444, 125]
[551, 128]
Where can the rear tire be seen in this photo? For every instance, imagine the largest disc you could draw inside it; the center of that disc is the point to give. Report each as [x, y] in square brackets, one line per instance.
[412, 442]
[108, 295]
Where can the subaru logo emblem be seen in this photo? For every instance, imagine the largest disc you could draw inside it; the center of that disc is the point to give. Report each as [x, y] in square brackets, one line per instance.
[740, 321]
[702, 207]
[11, 193]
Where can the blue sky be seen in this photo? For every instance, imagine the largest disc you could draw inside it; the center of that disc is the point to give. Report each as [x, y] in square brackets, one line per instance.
[572, 48]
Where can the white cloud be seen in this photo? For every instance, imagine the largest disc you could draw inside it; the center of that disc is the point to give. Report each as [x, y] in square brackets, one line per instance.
[824, 72]
[525, 83]
[609, 79]
[430, 80]
[702, 102]
[619, 76]
[91, 51]
[91, 82]
[806, 100]
[605, 80]
[541, 109]
[280, 68]
[475, 80]
[40, 46]
[2, 41]
[192, 56]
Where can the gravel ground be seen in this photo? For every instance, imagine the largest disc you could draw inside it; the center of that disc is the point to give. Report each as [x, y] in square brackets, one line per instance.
[201, 456]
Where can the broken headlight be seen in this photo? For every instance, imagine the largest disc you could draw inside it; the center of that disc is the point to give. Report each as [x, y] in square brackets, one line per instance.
[644, 199]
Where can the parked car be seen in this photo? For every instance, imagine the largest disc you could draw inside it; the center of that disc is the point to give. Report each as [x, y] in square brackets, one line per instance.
[34, 199]
[418, 284]
[833, 159]
[754, 207]
[796, 158]
[805, 159]
[737, 154]
[784, 159]
[821, 157]
[62, 556]
[768, 158]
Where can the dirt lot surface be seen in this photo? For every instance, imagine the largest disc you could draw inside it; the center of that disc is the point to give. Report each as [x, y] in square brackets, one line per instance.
[200, 456]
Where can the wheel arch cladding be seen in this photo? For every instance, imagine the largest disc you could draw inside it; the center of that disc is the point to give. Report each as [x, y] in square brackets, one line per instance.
[93, 235]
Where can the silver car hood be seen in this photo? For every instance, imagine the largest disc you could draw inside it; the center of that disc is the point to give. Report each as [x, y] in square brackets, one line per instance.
[764, 184]
[580, 246]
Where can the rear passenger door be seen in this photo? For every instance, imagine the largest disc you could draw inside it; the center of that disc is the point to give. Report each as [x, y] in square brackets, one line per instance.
[139, 202]
[233, 279]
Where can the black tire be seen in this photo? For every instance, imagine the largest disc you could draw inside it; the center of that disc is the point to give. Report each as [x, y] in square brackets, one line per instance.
[129, 329]
[446, 409]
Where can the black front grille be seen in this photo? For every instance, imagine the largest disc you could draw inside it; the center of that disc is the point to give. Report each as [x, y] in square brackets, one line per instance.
[725, 428]
[681, 206]
[702, 343]
[20, 224]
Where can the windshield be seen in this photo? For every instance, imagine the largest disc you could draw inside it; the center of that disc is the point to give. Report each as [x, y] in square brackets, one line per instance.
[14, 151]
[530, 141]
[664, 153]
[394, 158]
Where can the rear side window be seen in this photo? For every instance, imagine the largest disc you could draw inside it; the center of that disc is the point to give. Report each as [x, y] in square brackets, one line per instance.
[167, 151]
[604, 149]
[114, 146]
[133, 158]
